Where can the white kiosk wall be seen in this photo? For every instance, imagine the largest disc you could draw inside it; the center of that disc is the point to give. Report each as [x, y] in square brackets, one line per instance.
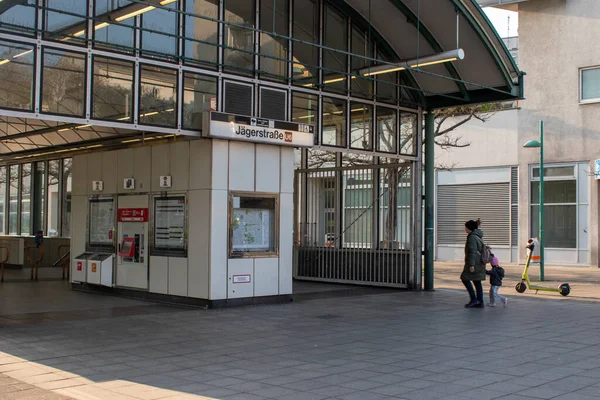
[204, 171]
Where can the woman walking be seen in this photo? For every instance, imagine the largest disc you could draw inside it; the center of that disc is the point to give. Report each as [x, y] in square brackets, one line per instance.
[474, 270]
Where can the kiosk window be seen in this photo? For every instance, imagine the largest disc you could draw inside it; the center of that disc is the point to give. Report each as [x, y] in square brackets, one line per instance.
[169, 223]
[102, 222]
[253, 222]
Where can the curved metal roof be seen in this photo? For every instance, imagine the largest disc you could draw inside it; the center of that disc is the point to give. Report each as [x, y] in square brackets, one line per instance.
[418, 28]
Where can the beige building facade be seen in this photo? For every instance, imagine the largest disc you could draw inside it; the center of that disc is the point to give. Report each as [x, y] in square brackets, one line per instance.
[562, 65]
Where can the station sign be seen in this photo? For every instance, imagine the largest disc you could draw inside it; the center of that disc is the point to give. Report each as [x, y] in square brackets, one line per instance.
[259, 130]
[133, 215]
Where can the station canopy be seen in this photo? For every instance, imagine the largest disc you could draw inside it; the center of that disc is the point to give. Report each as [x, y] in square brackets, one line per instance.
[410, 29]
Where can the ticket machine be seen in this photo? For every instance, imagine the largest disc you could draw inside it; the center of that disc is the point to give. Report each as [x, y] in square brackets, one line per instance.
[132, 249]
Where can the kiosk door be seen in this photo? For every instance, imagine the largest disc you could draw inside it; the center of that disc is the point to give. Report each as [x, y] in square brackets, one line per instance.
[132, 252]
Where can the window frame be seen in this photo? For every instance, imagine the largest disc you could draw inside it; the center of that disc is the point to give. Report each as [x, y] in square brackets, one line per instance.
[253, 253]
[594, 100]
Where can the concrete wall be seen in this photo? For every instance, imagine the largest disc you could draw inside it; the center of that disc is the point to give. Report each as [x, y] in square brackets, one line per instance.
[205, 171]
[491, 143]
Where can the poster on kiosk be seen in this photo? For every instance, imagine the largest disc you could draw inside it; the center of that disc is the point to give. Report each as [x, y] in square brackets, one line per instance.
[132, 252]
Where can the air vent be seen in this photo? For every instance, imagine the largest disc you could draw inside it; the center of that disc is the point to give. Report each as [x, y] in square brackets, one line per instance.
[238, 98]
[273, 104]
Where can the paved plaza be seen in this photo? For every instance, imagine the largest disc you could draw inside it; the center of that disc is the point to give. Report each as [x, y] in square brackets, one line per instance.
[357, 344]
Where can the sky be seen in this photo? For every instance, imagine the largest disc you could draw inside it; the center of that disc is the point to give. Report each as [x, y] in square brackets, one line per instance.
[499, 19]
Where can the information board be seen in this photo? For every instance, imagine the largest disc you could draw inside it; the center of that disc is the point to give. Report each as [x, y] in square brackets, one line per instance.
[169, 223]
[252, 229]
[102, 221]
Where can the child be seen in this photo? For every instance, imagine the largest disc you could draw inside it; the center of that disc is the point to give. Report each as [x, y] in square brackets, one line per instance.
[496, 274]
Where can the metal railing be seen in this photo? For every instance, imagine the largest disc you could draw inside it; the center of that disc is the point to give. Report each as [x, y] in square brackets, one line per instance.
[35, 264]
[64, 260]
[354, 225]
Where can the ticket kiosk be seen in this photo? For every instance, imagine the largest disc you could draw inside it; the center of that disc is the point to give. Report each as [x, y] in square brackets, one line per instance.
[132, 250]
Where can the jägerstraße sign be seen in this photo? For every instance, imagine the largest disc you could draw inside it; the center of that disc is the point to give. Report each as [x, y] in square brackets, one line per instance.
[259, 130]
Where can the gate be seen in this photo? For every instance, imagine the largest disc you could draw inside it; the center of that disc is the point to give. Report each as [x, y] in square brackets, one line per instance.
[356, 225]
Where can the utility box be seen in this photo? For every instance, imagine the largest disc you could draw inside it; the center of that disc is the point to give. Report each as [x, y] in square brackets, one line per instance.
[80, 267]
[100, 269]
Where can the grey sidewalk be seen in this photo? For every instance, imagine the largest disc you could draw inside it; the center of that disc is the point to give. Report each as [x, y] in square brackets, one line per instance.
[400, 345]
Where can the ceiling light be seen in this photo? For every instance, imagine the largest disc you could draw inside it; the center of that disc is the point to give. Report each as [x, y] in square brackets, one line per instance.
[4, 61]
[131, 140]
[134, 13]
[446, 56]
[23, 53]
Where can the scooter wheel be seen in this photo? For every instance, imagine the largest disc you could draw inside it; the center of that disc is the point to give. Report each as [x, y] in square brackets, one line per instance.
[521, 287]
[565, 289]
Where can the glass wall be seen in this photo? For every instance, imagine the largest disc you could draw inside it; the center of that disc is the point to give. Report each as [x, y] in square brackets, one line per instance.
[39, 198]
[63, 89]
[3, 177]
[16, 75]
[107, 33]
[201, 34]
[160, 29]
[361, 120]
[306, 28]
[335, 63]
[238, 40]
[54, 176]
[158, 96]
[13, 198]
[200, 92]
[274, 17]
[112, 89]
[334, 122]
[18, 16]
[26, 199]
[65, 20]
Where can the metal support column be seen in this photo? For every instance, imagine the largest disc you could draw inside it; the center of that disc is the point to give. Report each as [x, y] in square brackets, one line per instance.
[429, 201]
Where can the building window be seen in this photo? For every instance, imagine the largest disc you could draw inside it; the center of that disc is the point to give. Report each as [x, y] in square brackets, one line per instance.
[66, 197]
[306, 56]
[115, 35]
[334, 122]
[387, 129]
[560, 206]
[19, 16]
[2, 199]
[361, 120]
[199, 96]
[66, 19]
[113, 89]
[590, 84]
[16, 75]
[201, 35]
[274, 17]
[160, 30]
[239, 41]
[335, 63]
[39, 197]
[63, 82]
[305, 110]
[13, 198]
[158, 96]
[54, 173]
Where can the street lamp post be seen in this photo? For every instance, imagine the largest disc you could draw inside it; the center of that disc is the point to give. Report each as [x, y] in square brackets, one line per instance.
[540, 144]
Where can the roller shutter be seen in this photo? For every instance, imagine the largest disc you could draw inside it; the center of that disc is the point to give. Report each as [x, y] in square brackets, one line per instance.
[459, 203]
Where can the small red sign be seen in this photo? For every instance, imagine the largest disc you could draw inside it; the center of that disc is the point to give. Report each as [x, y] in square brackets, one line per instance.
[79, 265]
[133, 215]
